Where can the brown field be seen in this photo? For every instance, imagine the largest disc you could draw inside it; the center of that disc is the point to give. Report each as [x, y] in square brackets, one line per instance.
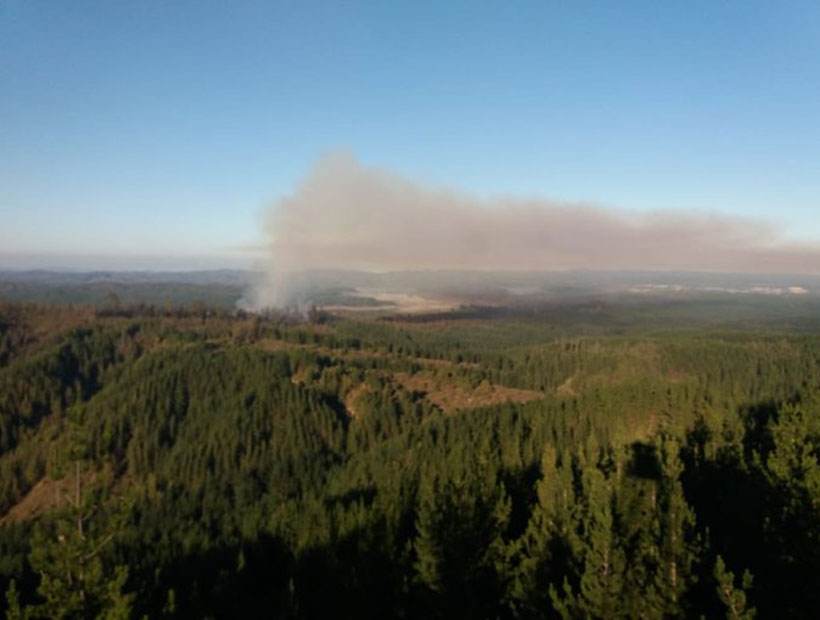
[45, 495]
[450, 396]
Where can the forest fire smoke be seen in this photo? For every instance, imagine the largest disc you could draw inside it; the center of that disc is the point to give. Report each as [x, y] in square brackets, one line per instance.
[348, 216]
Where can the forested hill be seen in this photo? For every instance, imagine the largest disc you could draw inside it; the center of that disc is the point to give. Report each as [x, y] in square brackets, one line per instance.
[208, 463]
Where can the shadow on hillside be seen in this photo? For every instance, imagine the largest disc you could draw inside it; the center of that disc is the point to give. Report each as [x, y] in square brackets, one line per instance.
[750, 520]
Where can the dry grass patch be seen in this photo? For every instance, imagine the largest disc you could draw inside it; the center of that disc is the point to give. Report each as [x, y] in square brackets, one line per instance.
[450, 396]
[45, 495]
[351, 401]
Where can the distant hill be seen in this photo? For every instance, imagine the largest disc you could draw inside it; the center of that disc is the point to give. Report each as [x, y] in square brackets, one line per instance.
[359, 289]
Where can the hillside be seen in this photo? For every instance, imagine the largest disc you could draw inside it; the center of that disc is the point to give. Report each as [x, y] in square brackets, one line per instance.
[204, 462]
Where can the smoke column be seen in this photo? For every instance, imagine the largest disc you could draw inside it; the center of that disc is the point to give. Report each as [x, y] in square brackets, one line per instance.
[347, 216]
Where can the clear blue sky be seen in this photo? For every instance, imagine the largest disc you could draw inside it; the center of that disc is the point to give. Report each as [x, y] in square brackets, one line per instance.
[154, 128]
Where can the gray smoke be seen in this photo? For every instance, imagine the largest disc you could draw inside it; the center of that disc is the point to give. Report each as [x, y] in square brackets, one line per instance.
[345, 215]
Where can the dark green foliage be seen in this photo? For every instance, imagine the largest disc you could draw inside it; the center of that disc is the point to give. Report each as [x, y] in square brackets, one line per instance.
[460, 562]
[733, 597]
[253, 466]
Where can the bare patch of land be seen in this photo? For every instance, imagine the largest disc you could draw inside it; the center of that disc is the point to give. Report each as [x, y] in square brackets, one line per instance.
[45, 495]
[450, 396]
[395, 303]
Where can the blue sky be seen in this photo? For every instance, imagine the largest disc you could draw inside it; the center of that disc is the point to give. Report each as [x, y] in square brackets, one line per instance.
[161, 129]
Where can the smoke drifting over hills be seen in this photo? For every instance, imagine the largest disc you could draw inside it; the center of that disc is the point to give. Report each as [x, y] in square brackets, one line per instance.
[348, 216]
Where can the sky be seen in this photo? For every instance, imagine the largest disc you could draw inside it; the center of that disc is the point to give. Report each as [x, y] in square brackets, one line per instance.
[152, 134]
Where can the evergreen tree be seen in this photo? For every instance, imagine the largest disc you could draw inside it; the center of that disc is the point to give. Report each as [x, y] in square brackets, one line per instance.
[460, 552]
[676, 544]
[733, 597]
[548, 549]
[74, 580]
[603, 559]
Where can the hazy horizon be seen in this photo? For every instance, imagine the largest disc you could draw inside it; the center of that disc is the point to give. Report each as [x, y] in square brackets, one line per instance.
[183, 137]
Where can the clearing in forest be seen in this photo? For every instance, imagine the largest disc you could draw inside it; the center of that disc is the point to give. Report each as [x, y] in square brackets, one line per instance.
[451, 396]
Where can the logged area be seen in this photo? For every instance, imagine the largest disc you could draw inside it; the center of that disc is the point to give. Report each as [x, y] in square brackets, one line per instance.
[205, 462]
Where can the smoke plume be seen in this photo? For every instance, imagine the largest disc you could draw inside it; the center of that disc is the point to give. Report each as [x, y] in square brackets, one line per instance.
[347, 216]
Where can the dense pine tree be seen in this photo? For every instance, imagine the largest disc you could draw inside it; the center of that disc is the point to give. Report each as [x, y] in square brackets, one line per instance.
[251, 465]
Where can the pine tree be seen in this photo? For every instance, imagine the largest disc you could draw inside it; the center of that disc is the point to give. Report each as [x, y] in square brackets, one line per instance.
[74, 580]
[460, 552]
[731, 596]
[676, 521]
[14, 610]
[793, 528]
[598, 555]
[604, 562]
[793, 462]
[546, 551]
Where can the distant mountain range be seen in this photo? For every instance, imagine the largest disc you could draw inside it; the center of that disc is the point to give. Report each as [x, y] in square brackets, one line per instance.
[337, 287]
